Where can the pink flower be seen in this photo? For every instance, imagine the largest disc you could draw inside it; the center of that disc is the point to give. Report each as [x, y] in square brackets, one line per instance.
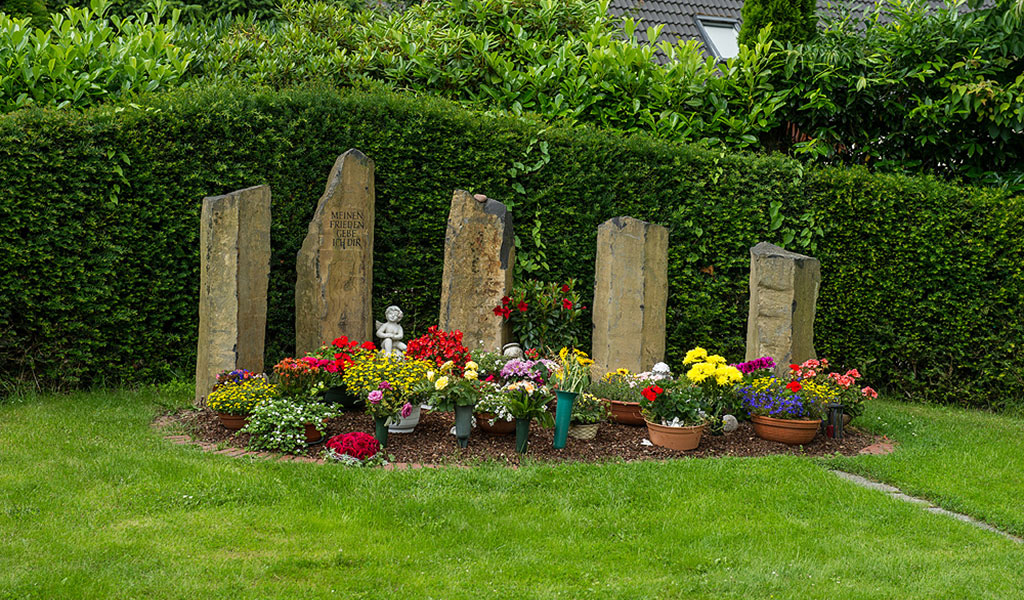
[824, 363]
[846, 381]
[406, 410]
[853, 373]
[810, 373]
[375, 396]
[331, 367]
[834, 376]
[870, 393]
[385, 386]
[811, 363]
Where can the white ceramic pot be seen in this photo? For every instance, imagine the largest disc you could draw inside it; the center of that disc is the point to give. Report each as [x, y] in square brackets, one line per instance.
[406, 424]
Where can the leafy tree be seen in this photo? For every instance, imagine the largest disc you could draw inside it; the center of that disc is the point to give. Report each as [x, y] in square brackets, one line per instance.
[793, 21]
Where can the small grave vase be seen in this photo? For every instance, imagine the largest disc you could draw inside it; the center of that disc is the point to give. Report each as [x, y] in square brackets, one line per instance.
[563, 413]
[522, 435]
[463, 424]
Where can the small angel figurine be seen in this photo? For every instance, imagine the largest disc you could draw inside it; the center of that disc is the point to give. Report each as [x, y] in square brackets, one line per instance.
[391, 333]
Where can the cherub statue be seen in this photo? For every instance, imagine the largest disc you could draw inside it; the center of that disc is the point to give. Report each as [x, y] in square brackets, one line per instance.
[391, 333]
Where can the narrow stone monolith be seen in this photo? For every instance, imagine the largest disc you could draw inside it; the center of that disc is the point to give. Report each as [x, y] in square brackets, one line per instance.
[630, 295]
[334, 269]
[783, 293]
[234, 269]
[479, 257]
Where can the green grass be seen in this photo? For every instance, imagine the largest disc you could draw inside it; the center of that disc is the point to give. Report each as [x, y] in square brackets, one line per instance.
[963, 460]
[94, 504]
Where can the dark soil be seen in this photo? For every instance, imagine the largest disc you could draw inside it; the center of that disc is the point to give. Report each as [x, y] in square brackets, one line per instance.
[431, 442]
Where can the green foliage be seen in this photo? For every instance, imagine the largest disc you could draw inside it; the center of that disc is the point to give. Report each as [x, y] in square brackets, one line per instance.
[85, 57]
[793, 21]
[546, 316]
[922, 282]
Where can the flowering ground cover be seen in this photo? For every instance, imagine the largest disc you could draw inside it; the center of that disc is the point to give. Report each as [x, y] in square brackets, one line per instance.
[96, 504]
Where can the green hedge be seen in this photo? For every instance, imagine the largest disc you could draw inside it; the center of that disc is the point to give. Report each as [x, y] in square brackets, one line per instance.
[922, 282]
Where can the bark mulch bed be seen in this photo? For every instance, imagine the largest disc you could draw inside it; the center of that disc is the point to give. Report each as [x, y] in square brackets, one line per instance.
[431, 442]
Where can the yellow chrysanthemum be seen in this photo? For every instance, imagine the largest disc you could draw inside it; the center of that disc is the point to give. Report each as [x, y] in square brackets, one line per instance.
[715, 359]
[700, 371]
[696, 355]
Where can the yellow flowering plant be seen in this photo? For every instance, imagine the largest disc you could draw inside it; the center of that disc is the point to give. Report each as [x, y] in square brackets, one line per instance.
[713, 382]
[386, 383]
[242, 397]
[573, 374]
[444, 389]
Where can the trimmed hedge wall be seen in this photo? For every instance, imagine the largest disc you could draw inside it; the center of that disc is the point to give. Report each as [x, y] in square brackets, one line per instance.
[922, 281]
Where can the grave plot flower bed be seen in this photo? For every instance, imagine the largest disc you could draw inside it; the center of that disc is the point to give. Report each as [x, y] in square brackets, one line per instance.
[431, 442]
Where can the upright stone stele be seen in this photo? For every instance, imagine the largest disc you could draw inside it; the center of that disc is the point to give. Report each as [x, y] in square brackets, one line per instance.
[334, 269]
[234, 269]
[783, 292]
[479, 257]
[630, 295]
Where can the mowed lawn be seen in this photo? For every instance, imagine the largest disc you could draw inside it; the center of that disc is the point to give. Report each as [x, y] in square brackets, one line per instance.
[95, 504]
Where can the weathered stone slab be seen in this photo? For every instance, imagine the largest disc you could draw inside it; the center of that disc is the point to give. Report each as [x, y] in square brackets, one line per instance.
[630, 295]
[234, 269]
[334, 269]
[783, 293]
[479, 256]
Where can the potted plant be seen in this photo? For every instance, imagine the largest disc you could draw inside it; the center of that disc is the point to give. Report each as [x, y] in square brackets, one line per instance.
[781, 412]
[543, 315]
[492, 412]
[573, 377]
[331, 360]
[675, 416]
[527, 401]
[237, 394]
[356, 449]
[440, 347]
[287, 424]
[388, 383]
[832, 386]
[449, 391]
[588, 412]
[622, 391]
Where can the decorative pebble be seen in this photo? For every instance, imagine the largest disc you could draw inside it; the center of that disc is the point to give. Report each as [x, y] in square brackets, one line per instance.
[729, 423]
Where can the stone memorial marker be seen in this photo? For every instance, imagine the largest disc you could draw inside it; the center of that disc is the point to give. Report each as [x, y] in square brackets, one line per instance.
[479, 256]
[783, 292]
[334, 269]
[630, 295]
[234, 269]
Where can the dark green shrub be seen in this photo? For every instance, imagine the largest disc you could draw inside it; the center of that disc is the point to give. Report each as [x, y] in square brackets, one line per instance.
[922, 289]
[793, 21]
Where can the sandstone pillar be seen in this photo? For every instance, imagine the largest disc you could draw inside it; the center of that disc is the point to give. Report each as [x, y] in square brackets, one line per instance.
[783, 292]
[630, 295]
[479, 256]
[334, 269]
[234, 269]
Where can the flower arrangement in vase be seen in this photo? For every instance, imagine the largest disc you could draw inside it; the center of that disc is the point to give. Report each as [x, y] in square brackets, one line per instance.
[527, 401]
[450, 391]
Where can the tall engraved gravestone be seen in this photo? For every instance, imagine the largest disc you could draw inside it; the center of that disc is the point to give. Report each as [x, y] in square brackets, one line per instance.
[783, 293]
[234, 268]
[479, 258]
[334, 270]
[630, 295]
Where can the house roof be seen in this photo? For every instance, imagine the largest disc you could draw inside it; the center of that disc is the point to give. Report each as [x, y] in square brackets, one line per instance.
[679, 16]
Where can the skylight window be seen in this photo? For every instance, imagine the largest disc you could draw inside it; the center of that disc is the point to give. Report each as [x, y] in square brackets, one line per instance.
[720, 36]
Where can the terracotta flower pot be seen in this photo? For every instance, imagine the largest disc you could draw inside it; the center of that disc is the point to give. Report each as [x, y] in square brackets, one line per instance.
[500, 426]
[787, 431]
[627, 413]
[313, 434]
[675, 438]
[233, 422]
[583, 432]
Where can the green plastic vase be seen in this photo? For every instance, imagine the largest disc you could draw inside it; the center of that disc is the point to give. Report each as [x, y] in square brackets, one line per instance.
[522, 435]
[563, 413]
[380, 430]
[463, 424]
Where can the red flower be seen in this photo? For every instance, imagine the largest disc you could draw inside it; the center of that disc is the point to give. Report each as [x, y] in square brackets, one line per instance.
[368, 346]
[651, 392]
[565, 288]
[566, 304]
[794, 367]
[794, 386]
[498, 311]
[341, 342]
[505, 300]
[522, 306]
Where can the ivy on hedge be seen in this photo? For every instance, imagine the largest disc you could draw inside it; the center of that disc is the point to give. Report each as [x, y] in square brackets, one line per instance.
[922, 281]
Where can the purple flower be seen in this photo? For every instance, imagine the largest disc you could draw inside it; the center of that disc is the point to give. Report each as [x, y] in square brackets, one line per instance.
[375, 396]
[758, 364]
[406, 410]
